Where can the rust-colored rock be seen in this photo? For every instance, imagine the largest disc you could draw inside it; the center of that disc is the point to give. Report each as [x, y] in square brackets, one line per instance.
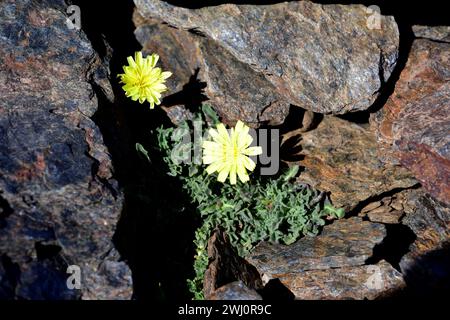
[341, 157]
[226, 266]
[413, 127]
[324, 58]
[359, 282]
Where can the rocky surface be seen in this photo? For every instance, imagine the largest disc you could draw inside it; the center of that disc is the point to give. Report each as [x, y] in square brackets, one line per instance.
[438, 33]
[324, 58]
[358, 282]
[226, 267]
[58, 201]
[389, 209]
[427, 265]
[234, 89]
[236, 290]
[341, 157]
[412, 128]
[331, 265]
[344, 243]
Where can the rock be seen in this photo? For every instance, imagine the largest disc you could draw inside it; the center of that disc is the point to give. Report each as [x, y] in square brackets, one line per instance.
[59, 203]
[331, 265]
[438, 33]
[235, 291]
[426, 266]
[324, 58]
[412, 128]
[227, 266]
[344, 243]
[387, 210]
[341, 157]
[234, 89]
[358, 282]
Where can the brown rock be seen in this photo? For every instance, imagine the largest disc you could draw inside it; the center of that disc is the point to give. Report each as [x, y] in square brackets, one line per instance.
[227, 266]
[324, 58]
[341, 157]
[358, 282]
[344, 243]
[413, 126]
[234, 89]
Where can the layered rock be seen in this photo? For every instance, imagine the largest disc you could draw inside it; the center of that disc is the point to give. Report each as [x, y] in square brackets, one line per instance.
[412, 128]
[340, 157]
[59, 203]
[426, 266]
[324, 58]
[331, 265]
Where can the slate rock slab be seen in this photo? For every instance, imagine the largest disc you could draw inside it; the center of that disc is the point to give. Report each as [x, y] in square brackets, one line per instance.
[324, 58]
[348, 283]
[413, 127]
[347, 242]
[59, 202]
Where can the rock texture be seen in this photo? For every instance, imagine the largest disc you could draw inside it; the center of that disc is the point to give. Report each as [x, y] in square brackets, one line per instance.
[413, 126]
[331, 265]
[427, 265]
[347, 242]
[235, 291]
[340, 157]
[226, 267]
[58, 201]
[324, 58]
[359, 282]
[439, 33]
[389, 209]
[234, 89]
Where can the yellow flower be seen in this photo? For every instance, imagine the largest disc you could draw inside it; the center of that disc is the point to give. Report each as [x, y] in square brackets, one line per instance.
[228, 154]
[142, 80]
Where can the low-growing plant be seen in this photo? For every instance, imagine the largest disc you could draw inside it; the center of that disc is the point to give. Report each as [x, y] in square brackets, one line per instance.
[266, 208]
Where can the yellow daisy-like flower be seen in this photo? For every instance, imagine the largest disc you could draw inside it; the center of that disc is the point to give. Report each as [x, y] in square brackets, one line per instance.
[142, 81]
[228, 154]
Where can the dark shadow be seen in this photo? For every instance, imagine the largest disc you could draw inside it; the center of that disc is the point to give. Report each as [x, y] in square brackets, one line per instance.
[396, 244]
[156, 229]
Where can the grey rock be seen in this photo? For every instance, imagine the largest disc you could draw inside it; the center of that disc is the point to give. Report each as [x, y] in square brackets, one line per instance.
[324, 58]
[344, 243]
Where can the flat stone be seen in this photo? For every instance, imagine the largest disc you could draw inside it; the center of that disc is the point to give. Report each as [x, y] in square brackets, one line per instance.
[412, 128]
[344, 243]
[357, 282]
[324, 58]
[340, 157]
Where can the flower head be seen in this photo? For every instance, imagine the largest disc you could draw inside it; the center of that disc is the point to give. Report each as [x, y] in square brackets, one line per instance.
[228, 153]
[142, 81]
